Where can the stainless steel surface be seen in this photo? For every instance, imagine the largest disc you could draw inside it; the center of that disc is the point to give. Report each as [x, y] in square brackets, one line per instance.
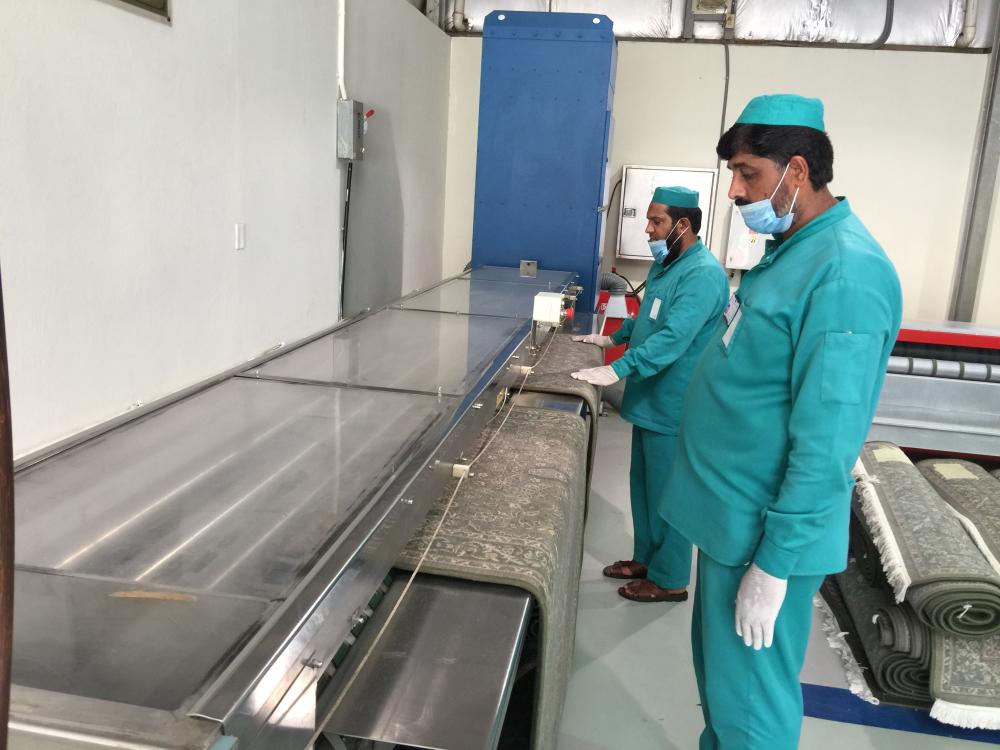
[56, 721]
[50, 451]
[233, 491]
[404, 349]
[959, 416]
[482, 297]
[979, 205]
[318, 615]
[556, 401]
[262, 514]
[424, 690]
[115, 641]
[540, 276]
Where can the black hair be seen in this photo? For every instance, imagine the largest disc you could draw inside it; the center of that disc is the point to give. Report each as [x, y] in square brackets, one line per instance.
[693, 215]
[780, 143]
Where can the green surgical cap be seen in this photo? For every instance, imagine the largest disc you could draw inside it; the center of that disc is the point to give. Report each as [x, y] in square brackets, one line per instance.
[678, 197]
[784, 109]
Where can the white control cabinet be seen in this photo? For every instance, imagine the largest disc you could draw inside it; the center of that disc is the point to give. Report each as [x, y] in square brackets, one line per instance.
[638, 185]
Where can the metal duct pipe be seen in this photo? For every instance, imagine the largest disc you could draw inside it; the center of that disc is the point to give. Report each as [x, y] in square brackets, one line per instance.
[341, 55]
[458, 17]
[979, 206]
[971, 19]
[890, 7]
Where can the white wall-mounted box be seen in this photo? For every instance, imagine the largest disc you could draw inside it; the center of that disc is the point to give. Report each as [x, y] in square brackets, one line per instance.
[638, 185]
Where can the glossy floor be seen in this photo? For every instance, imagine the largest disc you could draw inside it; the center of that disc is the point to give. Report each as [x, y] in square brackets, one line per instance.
[632, 685]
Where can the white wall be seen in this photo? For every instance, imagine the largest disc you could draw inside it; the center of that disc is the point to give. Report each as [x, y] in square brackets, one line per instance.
[902, 125]
[463, 131]
[129, 148]
[398, 64]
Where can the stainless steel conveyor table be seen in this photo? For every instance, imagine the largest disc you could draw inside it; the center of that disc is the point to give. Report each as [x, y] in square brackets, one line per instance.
[185, 578]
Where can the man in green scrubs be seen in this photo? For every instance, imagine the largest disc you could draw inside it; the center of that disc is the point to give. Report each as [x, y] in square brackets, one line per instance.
[686, 291]
[775, 418]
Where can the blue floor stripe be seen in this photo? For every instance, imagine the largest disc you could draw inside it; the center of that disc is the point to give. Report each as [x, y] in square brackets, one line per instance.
[837, 704]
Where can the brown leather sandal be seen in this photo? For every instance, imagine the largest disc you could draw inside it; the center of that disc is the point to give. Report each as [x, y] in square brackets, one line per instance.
[648, 592]
[625, 570]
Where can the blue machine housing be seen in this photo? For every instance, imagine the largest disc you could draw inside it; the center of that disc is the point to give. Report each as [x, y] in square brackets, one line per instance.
[544, 130]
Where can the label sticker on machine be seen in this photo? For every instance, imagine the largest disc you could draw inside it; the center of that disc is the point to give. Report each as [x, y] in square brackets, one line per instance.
[731, 309]
[654, 313]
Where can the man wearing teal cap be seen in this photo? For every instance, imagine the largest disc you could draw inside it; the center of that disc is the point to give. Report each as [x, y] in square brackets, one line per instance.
[686, 291]
[775, 418]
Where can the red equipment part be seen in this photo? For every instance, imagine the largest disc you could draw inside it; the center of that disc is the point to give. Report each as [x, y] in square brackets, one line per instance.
[612, 324]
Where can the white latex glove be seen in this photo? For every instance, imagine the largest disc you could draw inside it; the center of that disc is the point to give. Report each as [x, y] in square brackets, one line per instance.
[757, 605]
[597, 376]
[604, 342]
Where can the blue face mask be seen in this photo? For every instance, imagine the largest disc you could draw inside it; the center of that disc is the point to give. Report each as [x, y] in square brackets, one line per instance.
[761, 218]
[660, 249]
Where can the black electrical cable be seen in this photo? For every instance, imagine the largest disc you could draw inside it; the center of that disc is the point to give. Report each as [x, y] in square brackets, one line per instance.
[611, 198]
[343, 236]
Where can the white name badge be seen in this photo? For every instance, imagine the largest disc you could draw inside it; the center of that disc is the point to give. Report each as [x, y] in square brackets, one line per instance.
[731, 310]
[654, 312]
[731, 329]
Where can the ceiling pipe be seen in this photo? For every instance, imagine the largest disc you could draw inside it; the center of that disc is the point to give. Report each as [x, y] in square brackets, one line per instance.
[458, 20]
[890, 7]
[971, 19]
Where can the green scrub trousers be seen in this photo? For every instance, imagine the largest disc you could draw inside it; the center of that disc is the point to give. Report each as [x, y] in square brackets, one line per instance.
[752, 700]
[658, 546]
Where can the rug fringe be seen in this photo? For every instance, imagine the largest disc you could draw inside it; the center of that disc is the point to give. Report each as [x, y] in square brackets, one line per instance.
[882, 536]
[967, 717]
[853, 672]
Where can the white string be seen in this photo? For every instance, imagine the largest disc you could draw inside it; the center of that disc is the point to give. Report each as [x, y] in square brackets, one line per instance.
[444, 515]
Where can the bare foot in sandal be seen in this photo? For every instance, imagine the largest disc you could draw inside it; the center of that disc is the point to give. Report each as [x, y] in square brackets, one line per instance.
[625, 569]
[647, 591]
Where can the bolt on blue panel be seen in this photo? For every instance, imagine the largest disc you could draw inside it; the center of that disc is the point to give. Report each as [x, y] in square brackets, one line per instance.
[544, 120]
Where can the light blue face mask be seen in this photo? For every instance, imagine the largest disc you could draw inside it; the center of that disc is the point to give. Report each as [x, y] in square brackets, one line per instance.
[659, 248]
[761, 218]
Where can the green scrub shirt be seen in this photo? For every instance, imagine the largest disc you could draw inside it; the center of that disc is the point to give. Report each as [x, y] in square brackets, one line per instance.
[678, 315]
[782, 399]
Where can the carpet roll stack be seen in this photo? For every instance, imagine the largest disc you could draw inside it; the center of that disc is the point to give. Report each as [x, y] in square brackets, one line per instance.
[922, 593]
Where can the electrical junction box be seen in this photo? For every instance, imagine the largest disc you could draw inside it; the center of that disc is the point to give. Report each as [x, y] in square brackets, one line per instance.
[350, 129]
[639, 184]
[548, 308]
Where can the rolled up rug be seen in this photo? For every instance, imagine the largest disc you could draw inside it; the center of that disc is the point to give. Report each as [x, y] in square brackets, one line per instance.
[965, 681]
[928, 556]
[900, 629]
[897, 677]
[863, 548]
[975, 495]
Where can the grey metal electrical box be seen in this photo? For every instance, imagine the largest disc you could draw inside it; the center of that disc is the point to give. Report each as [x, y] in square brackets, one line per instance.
[350, 129]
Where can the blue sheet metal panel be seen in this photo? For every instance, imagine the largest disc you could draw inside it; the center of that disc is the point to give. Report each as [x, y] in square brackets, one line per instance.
[544, 117]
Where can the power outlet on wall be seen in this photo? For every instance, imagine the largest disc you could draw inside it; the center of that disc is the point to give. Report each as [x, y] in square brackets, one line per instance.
[241, 236]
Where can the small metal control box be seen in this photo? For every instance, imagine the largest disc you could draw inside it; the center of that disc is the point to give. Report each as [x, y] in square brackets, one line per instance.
[350, 129]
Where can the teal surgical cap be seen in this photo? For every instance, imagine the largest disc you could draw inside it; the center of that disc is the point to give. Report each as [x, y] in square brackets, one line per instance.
[784, 109]
[678, 197]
